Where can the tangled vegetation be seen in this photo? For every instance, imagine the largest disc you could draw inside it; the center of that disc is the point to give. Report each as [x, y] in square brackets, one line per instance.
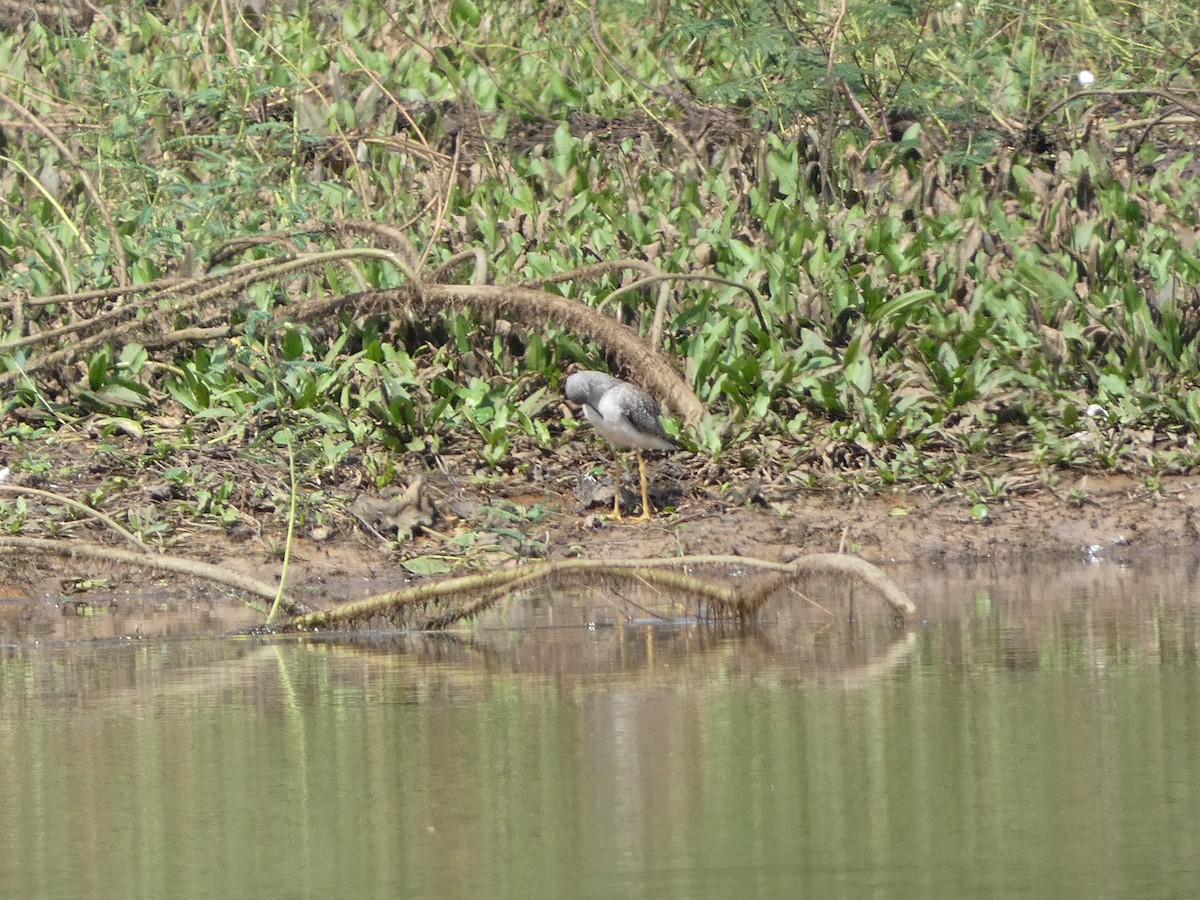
[932, 253]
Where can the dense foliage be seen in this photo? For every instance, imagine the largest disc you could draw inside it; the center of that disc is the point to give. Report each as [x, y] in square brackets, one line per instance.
[969, 264]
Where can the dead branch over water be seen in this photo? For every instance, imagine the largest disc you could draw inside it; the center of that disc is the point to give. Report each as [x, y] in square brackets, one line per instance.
[439, 604]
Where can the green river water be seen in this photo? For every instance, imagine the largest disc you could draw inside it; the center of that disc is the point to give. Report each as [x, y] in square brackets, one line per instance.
[1036, 734]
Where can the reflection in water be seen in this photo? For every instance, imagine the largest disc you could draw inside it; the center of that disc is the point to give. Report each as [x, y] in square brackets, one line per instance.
[1039, 733]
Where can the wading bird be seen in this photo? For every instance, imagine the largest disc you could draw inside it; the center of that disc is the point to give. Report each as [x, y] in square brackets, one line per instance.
[625, 416]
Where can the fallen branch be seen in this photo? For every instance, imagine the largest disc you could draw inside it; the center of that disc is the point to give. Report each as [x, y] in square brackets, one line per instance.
[833, 564]
[650, 275]
[787, 573]
[483, 590]
[162, 562]
[656, 328]
[152, 322]
[494, 586]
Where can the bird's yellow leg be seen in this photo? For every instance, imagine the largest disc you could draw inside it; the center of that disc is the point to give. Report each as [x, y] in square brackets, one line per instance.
[645, 491]
[616, 513]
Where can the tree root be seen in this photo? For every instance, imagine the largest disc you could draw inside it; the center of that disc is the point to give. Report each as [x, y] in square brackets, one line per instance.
[439, 604]
[119, 323]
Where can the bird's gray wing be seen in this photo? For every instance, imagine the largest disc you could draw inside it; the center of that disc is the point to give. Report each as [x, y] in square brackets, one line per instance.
[639, 408]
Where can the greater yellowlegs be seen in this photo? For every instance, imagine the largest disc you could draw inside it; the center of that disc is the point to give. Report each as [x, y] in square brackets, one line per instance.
[625, 416]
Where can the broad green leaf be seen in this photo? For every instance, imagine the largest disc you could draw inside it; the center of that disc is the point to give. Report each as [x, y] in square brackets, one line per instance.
[427, 565]
[464, 12]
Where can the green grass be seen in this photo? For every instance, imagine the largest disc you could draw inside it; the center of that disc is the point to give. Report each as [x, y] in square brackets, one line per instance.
[940, 308]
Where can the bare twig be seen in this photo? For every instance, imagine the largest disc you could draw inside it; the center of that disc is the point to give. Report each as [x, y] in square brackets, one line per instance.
[656, 329]
[594, 271]
[129, 537]
[476, 253]
[1168, 96]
